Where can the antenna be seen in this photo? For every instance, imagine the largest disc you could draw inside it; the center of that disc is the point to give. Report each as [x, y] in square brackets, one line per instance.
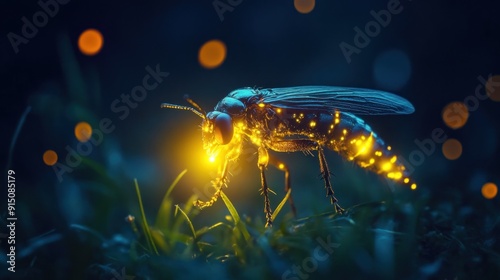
[195, 105]
[179, 107]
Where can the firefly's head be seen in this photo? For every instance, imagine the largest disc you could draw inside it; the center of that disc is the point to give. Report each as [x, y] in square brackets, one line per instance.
[217, 131]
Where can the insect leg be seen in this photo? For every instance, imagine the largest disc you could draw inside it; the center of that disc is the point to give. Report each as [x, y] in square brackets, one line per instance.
[308, 145]
[262, 163]
[218, 183]
[284, 168]
[325, 173]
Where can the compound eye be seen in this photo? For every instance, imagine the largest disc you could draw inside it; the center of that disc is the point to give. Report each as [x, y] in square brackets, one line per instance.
[223, 128]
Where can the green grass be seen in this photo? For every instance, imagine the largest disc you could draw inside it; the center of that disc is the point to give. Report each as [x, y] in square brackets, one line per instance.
[235, 245]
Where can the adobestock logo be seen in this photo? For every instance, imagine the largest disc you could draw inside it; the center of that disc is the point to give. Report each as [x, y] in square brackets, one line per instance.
[310, 264]
[122, 107]
[50, 8]
[362, 38]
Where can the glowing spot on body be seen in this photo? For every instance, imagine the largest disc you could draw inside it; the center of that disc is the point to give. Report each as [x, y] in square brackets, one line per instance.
[406, 180]
[312, 124]
[211, 158]
[278, 110]
[389, 148]
[387, 166]
[261, 105]
[413, 186]
[393, 159]
[281, 166]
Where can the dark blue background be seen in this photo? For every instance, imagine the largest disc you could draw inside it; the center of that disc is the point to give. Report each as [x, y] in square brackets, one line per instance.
[447, 44]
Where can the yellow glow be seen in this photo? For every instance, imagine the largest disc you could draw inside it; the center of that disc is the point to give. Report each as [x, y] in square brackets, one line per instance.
[378, 153]
[281, 166]
[211, 158]
[387, 166]
[372, 161]
[389, 148]
[212, 54]
[406, 180]
[391, 175]
[83, 131]
[278, 110]
[337, 121]
[413, 186]
[90, 42]
[263, 160]
[393, 159]
[261, 105]
[489, 190]
[398, 175]
[50, 157]
[455, 114]
[312, 124]
[344, 131]
[452, 149]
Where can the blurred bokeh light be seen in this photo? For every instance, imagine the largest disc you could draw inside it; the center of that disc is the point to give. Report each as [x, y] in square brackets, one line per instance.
[212, 54]
[90, 42]
[50, 157]
[493, 88]
[83, 131]
[452, 149]
[392, 69]
[489, 190]
[304, 6]
[455, 115]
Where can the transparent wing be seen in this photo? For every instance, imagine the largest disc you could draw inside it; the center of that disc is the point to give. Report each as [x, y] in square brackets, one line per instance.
[326, 98]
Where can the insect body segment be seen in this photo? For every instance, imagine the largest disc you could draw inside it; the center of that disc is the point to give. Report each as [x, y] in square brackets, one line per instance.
[301, 119]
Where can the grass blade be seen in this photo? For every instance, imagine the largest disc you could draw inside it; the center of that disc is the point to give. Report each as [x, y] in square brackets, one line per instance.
[177, 208]
[145, 226]
[162, 218]
[278, 209]
[236, 216]
[16, 134]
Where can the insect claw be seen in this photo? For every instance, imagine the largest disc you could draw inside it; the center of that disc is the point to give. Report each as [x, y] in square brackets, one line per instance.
[339, 209]
[269, 223]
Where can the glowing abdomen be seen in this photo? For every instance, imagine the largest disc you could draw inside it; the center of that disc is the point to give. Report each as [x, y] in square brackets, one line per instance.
[354, 140]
